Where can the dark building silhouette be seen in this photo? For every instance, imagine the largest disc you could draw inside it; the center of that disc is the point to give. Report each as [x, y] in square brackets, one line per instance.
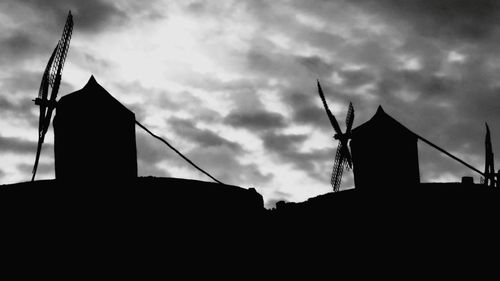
[384, 153]
[94, 136]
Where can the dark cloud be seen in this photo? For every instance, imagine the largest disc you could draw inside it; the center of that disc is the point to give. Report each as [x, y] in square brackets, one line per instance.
[213, 153]
[158, 99]
[287, 149]
[222, 163]
[21, 83]
[453, 19]
[17, 110]
[91, 16]
[258, 120]
[92, 62]
[150, 150]
[201, 137]
[266, 59]
[18, 145]
[2, 174]
[427, 84]
[306, 107]
[38, 25]
[315, 65]
[280, 142]
[150, 153]
[17, 91]
[356, 78]
[20, 44]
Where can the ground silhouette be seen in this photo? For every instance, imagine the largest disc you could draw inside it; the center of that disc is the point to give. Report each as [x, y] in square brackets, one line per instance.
[164, 204]
[177, 226]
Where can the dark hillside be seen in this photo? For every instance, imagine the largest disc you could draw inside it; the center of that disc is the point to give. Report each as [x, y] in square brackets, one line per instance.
[177, 210]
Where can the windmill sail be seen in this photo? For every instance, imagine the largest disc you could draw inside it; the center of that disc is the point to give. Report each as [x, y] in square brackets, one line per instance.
[41, 101]
[51, 77]
[338, 168]
[342, 156]
[332, 118]
[489, 166]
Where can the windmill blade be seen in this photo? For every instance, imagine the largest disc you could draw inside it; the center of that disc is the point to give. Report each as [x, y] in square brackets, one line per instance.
[37, 157]
[51, 77]
[489, 167]
[42, 102]
[349, 118]
[332, 118]
[43, 93]
[487, 140]
[338, 168]
[62, 52]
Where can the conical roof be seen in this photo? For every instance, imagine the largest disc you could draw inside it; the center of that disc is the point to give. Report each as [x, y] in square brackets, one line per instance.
[94, 96]
[381, 124]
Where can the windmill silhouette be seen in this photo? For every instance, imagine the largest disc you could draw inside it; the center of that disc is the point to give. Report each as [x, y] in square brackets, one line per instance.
[343, 157]
[489, 166]
[51, 78]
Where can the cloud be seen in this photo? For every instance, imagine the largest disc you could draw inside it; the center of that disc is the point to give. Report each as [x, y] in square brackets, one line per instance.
[287, 148]
[34, 27]
[223, 165]
[21, 83]
[150, 154]
[91, 16]
[18, 44]
[356, 78]
[211, 152]
[315, 65]
[18, 90]
[21, 146]
[15, 110]
[201, 137]
[257, 120]
[149, 150]
[306, 107]
[451, 19]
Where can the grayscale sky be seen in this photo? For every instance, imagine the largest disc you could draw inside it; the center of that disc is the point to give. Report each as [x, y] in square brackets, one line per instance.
[232, 84]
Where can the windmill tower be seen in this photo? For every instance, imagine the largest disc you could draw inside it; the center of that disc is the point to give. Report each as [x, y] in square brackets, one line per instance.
[385, 154]
[51, 78]
[94, 136]
[343, 156]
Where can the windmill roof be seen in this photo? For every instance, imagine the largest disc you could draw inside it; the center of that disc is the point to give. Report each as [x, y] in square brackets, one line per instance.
[382, 123]
[92, 95]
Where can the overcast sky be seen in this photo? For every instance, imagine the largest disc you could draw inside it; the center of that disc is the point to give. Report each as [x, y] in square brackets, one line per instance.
[232, 83]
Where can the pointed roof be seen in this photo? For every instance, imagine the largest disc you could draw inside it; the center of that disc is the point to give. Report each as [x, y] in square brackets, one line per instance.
[94, 94]
[382, 124]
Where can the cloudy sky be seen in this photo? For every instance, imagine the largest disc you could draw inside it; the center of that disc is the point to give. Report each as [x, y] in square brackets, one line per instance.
[232, 83]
